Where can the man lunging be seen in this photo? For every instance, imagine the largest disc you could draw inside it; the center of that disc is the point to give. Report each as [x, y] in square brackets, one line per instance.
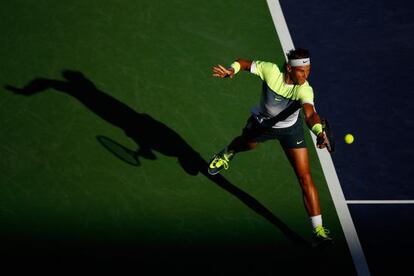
[284, 94]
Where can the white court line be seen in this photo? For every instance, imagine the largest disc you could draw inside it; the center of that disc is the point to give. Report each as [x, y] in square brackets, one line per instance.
[380, 201]
[325, 159]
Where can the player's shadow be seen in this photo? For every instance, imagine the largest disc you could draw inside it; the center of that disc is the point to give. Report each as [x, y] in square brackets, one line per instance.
[149, 134]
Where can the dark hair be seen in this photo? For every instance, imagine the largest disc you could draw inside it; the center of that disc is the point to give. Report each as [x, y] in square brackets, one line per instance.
[298, 53]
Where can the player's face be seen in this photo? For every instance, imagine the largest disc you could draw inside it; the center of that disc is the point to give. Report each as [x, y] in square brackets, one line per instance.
[300, 74]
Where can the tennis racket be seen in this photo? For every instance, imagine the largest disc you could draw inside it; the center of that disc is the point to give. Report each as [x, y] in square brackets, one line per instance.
[329, 134]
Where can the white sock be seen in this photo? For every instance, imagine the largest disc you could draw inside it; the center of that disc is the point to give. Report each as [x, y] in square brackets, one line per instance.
[316, 221]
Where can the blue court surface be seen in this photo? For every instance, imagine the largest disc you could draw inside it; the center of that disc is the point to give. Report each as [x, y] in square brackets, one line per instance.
[362, 75]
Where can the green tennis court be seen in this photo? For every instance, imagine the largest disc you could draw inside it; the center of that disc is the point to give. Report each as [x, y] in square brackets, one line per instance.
[118, 77]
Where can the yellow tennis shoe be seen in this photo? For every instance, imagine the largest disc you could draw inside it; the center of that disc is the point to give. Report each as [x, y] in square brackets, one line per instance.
[321, 236]
[218, 162]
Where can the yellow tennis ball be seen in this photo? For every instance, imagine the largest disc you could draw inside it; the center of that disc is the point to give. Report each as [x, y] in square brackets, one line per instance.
[349, 138]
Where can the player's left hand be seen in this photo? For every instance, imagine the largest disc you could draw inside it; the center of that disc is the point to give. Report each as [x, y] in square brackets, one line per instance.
[221, 72]
[35, 86]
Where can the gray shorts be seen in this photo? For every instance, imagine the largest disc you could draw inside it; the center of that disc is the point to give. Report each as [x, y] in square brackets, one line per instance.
[289, 137]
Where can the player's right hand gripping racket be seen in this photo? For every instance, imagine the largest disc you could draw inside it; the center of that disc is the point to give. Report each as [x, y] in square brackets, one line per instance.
[329, 134]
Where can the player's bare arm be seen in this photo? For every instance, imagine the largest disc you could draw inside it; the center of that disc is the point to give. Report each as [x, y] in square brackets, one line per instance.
[220, 71]
[312, 118]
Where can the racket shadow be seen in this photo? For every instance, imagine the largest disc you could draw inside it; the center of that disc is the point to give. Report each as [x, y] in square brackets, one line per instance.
[118, 150]
[149, 134]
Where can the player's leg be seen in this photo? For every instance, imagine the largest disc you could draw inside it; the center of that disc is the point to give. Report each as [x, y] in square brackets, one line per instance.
[222, 159]
[299, 159]
[247, 141]
[240, 144]
[293, 142]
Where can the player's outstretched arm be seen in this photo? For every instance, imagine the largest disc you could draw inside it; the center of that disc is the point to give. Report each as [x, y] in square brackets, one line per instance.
[313, 120]
[220, 71]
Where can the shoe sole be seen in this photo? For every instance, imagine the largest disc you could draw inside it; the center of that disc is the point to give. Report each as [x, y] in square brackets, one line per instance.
[213, 173]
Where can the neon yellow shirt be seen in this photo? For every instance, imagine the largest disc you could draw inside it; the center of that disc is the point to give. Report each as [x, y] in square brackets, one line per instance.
[279, 98]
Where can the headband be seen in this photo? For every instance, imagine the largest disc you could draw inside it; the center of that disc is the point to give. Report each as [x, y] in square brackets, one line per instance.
[299, 62]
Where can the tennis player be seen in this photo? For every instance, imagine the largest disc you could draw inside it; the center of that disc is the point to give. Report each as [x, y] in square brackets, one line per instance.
[277, 116]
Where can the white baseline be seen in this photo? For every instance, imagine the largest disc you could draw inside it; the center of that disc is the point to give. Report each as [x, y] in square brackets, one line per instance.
[373, 201]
